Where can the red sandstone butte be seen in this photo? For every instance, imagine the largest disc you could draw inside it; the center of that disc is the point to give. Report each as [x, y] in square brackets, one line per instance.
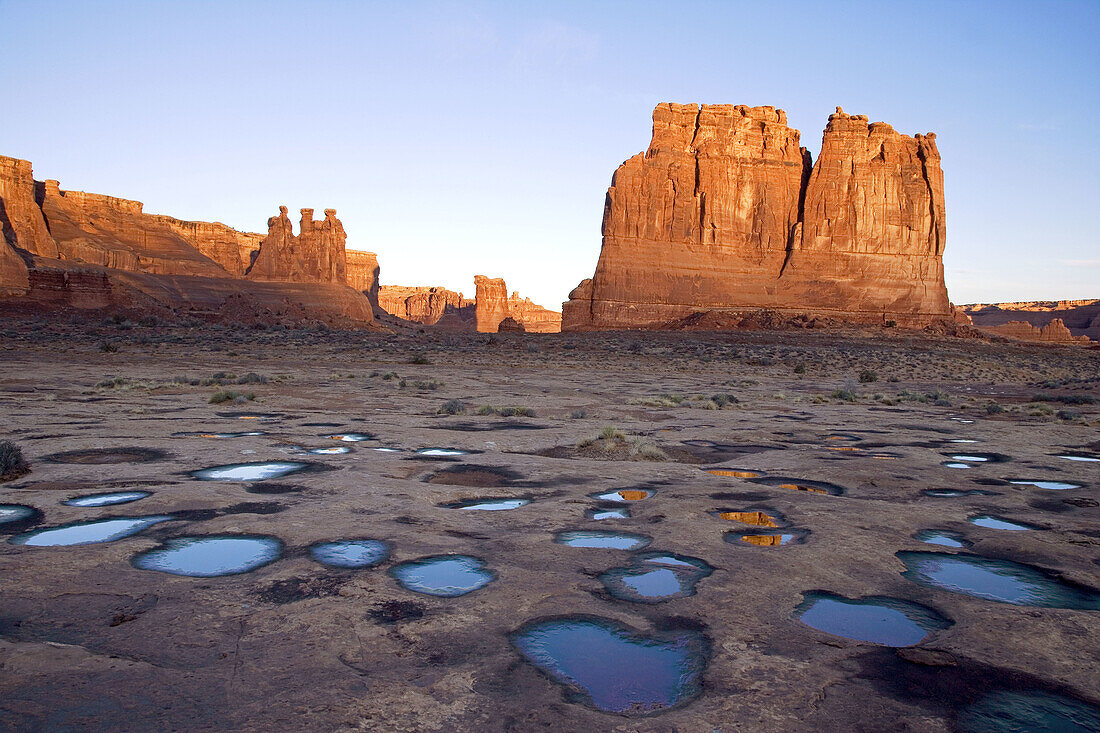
[316, 255]
[426, 304]
[493, 305]
[453, 311]
[725, 212]
[1080, 317]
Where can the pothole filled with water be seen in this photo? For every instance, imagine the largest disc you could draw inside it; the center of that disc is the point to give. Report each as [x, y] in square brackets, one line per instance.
[351, 437]
[334, 451]
[487, 505]
[1049, 485]
[250, 471]
[955, 493]
[16, 517]
[249, 434]
[446, 576]
[89, 532]
[623, 495]
[798, 484]
[976, 458]
[876, 619]
[211, 556]
[1007, 711]
[942, 537]
[756, 517]
[442, 452]
[767, 537]
[106, 456]
[733, 473]
[656, 577]
[602, 540]
[350, 553]
[611, 667]
[118, 497]
[996, 580]
[1084, 457]
[990, 521]
[612, 513]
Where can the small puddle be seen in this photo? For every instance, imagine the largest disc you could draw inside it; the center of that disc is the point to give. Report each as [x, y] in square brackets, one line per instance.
[611, 667]
[446, 576]
[488, 505]
[1049, 485]
[120, 497]
[613, 513]
[442, 452]
[350, 553]
[962, 440]
[729, 473]
[942, 537]
[16, 515]
[768, 538]
[624, 495]
[797, 484]
[954, 493]
[989, 521]
[996, 580]
[1086, 457]
[387, 450]
[249, 434]
[211, 556]
[674, 576]
[876, 619]
[755, 518]
[1005, 711]
[351, 437]
[335, 451]
[249, 471]
[88, 533]
[602, 540]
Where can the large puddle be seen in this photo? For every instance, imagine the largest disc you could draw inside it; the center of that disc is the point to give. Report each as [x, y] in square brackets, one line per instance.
[611, 667]
[1085, 457]
[602, 540]
[656, 577]
[990, 521]
[798, 484]
[118, 497]
[768, 537]
[996, 580]
[1006, 711]
[756, 518]
[88, 533]
[623, 495]
[488, 505]
[333, 451]
[350, 553]
[942, 537]
[446, 576]
[1049, 485]
[733, 473]
[441, 452]
[249, 471]
[877, 619]
[211, 556]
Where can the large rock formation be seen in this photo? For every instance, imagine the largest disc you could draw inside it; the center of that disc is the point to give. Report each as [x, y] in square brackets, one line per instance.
[316, 255]
[725, 212]
[85, 250]
[426, 305]
[363, 272]
[493, 305]
[1081, 317]
[437, 306]
[1053, 332]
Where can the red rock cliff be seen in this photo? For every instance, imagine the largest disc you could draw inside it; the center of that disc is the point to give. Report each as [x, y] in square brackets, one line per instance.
[1081, 317]
[493, 305]
[20, 215]
[1053, 332]
[422, 304]
[725, 212]
[362, 273]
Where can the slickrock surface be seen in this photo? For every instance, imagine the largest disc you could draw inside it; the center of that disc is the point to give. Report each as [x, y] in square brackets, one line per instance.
[725, 212]
[88, 641]
[363, 272]
[1081, 317]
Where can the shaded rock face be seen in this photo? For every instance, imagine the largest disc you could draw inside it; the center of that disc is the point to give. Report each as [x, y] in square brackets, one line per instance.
[510, 325]
[231, 249]
[493, 305]
[1053, 332]
[725, 212]
[427, 305]
[1081, 317]
[363, 272]
[316, 255]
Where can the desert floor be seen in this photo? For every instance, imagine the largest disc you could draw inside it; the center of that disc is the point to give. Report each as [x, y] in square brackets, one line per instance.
[88, 640]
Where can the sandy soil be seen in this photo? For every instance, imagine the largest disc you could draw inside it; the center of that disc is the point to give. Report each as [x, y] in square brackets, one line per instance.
[88, 641]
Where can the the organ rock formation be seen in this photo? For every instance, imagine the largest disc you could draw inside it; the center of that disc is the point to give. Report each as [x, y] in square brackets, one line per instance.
[86, 250]
[724, 212]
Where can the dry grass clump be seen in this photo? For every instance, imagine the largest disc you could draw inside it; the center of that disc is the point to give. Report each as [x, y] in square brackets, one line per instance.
[613, 444]
[12, 463]
[228, 395]
[512, 411]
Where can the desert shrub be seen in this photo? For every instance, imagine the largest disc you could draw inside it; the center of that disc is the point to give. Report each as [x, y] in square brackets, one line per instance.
[891, 324]
[252, 378]
[578, 414]
[844, 394]
[486, 410]
[149, 321]
[432, 384]
[1066, 399]
[800, 368]
[646, 450]
[515, 412]
[867, 376]
[12, 462]
[228, 395]
[993, 409]
[420, 358]
[112, 383]
[1069, 414]
[721, 400]
[108, 347]
[452, 407]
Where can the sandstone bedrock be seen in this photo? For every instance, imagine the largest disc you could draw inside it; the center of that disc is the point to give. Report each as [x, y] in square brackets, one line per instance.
[725, 210]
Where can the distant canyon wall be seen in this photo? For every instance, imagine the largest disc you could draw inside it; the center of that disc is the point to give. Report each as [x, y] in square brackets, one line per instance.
[725, 211]
[447, 309]
[1078, 318]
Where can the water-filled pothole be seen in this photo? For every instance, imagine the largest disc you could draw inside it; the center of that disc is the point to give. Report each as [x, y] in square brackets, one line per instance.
[334, 451]
[942, 537]
[118, 497]
[1049, 485]
[446, 576]
[16, 517]
[1085, 457]
[798, 484]
[955, 493]
[996, 580]
[990, 521]
[656, 577]
[487, 505]
[876, 619]
[976, 458]
[612, 513]
[251, 415]
[89, 532]
[620, 496]
[602, 540]
[351, 437]
[1008, 711]
[482, 477]
[755, 517]
[767, 537]
[611, 667]
[248, 434]
[442, 452]
[250, 471]
[211, 556]
[733, 473]
[350, 553]
[105, 456]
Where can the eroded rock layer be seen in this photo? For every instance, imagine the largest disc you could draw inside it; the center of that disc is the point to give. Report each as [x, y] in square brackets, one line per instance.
[1053, 332]
[316, 255]
[1081, 317]
[725, 212]
[363, 272]
[426, 305]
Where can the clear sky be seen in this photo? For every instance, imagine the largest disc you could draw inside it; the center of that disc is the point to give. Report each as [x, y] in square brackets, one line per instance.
[461, 138]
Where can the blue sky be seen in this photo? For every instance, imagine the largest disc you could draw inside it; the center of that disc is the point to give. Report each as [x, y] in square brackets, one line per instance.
[462, 138]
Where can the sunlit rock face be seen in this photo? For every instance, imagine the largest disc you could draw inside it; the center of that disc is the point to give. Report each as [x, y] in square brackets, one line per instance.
[725, 212]
[317, 254]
